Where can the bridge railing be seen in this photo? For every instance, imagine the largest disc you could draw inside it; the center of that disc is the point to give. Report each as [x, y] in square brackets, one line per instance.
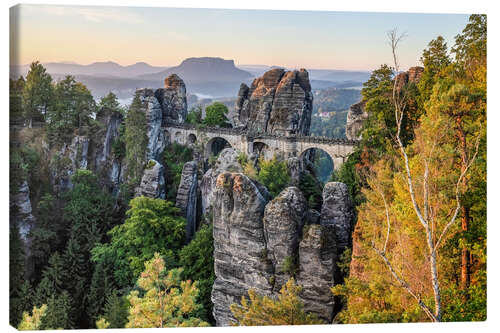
[255, 136]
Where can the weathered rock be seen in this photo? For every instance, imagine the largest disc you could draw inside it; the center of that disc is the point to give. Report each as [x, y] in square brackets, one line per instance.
[284, 218]
[355, 120]
[173, 100]
[187, 197]
[278, 102]
[152, 182]
[21, 210]
[337, 211]
[317, 267]
[239, 244]
[154, 116]
[227, 161]
[413, 75]
[295, 168]
[69, 159]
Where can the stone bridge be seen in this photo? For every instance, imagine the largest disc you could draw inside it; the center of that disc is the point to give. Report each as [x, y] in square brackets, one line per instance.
[263, 143]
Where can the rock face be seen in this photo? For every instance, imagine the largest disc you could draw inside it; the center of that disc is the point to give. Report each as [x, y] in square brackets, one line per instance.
[227, 161]
[187, 197]
[279, 102]
[154, 118]
[152, 182]
[260, 244]
[21, 210]
[355, 119]
[357, 114]
[413, 75]
[173, 100]
[337, 211]
[317, 268]
[69, 158]
[239, 244]
[283, 220]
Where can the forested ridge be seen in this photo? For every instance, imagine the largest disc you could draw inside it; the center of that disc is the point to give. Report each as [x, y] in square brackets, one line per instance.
[417, 179]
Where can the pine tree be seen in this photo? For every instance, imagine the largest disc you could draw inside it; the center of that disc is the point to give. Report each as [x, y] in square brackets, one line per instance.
[167, 301]
[288, 309]
[57, 315]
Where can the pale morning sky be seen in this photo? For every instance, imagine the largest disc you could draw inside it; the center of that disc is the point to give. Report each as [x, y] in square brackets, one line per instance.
[166, 36]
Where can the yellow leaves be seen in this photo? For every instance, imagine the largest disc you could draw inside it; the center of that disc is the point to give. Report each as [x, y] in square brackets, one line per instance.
[287, 309]
[33, 322]
[167, 301]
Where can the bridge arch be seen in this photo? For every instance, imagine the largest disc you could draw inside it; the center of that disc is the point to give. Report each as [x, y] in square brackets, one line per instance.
[215, 145]
[322, 162]
[191, 138]
[178, 137]
[262, 149]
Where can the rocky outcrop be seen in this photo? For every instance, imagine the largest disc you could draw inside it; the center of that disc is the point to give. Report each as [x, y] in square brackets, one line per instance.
[317, 268]
[227, 161]
[283, 220]
[154, 117]
[173, 100]
[21, 211]
[240, 252]
[67, 160]
[260, 244]
[152, 182]
[279, 102]
[355, 120]
[337, 211]
[187, 197]
[413, 75]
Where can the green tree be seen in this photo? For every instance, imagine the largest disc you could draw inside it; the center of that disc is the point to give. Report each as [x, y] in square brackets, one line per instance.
[16, 275]
[52, 282]
[115, 312]
[288, 309]
[136, 140]
[274, 175]
[37, 93]
[167, 300]
[153, 225]
[72, 109]
[194, 116]
[57, 315]
[216, 115]
[197, 262]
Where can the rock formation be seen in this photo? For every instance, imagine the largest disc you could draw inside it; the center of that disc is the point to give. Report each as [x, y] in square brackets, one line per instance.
[283, 222]
[152, 182]
[240, 252]
[357, 114]
[413, 75]
[279, 102]
[227, 161]
[260, 244]
[355, 120]
[187, 197]
[337, 211]
[173, 100]
[317, 269]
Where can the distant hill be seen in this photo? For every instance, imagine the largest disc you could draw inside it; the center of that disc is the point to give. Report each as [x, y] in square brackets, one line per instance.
[207, 76]
[100, 69]
[204, 69]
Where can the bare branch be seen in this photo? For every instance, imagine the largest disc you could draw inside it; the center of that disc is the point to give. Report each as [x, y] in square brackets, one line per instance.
[405, 285]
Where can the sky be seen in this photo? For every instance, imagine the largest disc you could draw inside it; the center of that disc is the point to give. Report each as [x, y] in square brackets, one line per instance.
[166, 36]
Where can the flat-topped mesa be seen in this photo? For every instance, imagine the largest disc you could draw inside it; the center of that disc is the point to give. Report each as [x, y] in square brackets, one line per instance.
[278, 102]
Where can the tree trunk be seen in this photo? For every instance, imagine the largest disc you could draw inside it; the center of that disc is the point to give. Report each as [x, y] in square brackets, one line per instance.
[465, 260]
